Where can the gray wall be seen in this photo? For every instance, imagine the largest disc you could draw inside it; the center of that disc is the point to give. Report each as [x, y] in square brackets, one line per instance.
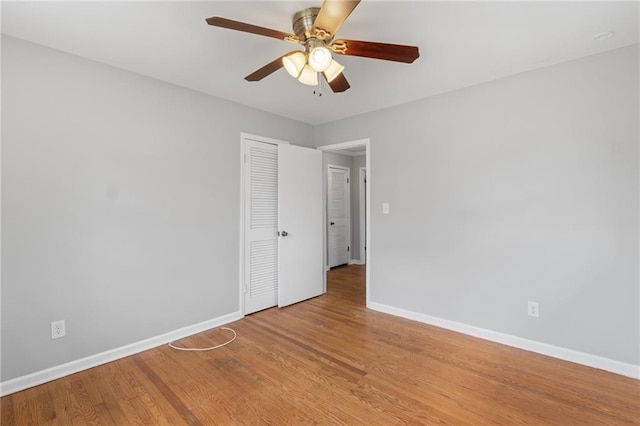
[120, 205]
[525, 188]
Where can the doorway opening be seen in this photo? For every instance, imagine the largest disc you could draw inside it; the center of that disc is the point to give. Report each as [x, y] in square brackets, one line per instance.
[360, 233]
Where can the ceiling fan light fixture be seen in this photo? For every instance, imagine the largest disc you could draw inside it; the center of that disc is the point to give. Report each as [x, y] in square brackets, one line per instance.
[315, 28]
[319, 56]
[334, 70]
[308, 76]
[294, 63]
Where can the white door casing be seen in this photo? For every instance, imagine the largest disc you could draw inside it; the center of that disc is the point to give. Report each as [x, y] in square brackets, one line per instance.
[300, 200]
[338, 220]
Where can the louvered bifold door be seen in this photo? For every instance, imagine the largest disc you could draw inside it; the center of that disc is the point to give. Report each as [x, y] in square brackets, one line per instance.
[261, 245]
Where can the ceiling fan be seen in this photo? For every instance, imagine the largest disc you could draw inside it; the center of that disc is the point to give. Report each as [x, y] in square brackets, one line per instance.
[315, 29]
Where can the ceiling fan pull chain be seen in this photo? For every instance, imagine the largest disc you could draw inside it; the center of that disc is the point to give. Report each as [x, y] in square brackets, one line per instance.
[318, 91]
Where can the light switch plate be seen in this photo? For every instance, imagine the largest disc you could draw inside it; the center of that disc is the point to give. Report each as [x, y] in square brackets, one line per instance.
[385, 208]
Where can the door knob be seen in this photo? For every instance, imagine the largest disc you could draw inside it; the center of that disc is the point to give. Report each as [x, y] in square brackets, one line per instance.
[332, 223]
[284, 233]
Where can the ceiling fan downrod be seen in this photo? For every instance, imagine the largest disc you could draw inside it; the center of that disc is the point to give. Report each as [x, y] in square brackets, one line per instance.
[318, 89]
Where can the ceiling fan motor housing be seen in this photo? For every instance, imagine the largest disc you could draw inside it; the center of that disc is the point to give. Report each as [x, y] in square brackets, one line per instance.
[303, 22]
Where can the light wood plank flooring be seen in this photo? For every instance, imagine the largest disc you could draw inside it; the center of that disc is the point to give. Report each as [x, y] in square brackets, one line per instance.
[331, 361]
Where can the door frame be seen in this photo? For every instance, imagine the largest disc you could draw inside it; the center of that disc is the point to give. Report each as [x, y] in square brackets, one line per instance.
[347, 205]
[366, 142]
[242, 288]
[362, 213]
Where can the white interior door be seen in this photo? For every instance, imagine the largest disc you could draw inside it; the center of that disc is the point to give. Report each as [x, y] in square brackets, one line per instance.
[300, 212]
[338, 216]
[261, 226]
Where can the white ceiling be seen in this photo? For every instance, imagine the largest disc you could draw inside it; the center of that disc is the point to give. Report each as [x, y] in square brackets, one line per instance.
[461, 44]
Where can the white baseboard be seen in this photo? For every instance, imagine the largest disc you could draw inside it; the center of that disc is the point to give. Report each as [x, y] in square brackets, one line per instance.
[583, 358]
[356, 262]
[43, 376]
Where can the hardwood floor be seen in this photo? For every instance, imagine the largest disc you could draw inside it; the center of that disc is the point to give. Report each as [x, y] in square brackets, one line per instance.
[331, 361]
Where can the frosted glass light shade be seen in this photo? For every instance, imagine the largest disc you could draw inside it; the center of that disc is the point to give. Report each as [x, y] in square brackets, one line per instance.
[334, 70]
[320, 58]
[308, 76]
[294, 63]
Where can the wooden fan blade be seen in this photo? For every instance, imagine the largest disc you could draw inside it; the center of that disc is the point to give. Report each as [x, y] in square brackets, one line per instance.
[338, 84]
[217, 21]
[371, 49]
[332, 15]
[268, 69]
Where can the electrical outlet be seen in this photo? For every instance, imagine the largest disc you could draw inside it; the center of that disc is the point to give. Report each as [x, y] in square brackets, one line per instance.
[533, 309]
[58, 329]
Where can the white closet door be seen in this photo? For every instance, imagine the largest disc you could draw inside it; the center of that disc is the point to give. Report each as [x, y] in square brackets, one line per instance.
[300, 210]
[338, 216]
[261, 244]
